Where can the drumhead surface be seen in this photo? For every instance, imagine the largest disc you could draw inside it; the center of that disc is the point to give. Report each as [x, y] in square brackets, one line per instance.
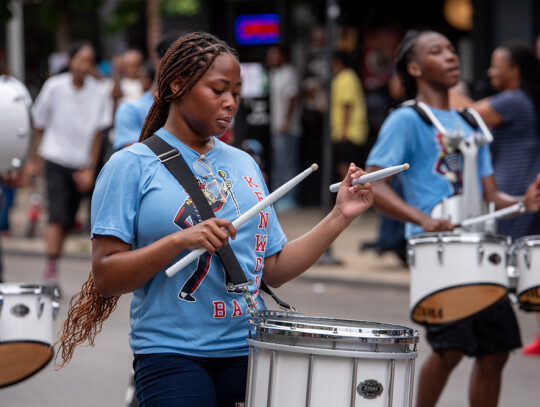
[20, 360]
[456, 303]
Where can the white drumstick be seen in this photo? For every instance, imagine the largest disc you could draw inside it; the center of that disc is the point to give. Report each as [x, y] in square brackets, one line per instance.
[373, 176]
[253, 211]
[519, 207]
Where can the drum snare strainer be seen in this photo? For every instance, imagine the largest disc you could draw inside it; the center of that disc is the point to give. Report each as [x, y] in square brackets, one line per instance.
[307, 361]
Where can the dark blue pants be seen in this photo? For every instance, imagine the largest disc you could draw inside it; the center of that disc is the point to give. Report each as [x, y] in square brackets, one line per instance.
[168, 379]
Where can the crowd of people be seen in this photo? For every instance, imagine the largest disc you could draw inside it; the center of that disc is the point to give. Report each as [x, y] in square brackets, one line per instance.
[141, 219]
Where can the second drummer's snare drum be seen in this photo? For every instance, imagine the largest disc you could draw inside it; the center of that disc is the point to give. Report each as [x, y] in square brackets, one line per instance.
[526, 252]
[299, 361]
[456, 275]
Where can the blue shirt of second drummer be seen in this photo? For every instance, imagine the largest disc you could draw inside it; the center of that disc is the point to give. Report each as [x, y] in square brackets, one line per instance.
[129, 119]
[435, 169]
[139, 201]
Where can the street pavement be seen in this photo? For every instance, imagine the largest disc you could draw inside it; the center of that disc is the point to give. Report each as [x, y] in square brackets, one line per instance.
[366, 267]
[93, 373]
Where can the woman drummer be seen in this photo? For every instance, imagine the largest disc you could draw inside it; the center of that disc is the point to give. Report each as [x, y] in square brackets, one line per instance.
[429, 66]
[188, 335]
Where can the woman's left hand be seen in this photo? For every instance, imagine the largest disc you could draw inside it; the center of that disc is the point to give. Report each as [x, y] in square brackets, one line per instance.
[352, 200]
[532, 196]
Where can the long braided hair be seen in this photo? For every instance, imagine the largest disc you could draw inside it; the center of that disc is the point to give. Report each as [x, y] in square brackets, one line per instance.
[189, 57]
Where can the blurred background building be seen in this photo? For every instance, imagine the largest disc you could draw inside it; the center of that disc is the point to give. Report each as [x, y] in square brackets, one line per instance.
[38, 33]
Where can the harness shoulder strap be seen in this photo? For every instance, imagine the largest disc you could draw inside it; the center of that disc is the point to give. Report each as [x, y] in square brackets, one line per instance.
[176, 164]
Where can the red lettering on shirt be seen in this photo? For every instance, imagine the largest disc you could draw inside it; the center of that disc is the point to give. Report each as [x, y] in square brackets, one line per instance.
[219, 309]
[263, 220]
[258, 264]
[237, 311]
[250, 182]
[260, 244]
[257, 285]
[259, 195]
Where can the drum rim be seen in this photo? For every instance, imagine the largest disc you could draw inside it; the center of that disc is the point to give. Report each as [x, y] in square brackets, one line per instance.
[314, 327]
[529, 241]
[347, 353]
[28, 288]
[452, 237]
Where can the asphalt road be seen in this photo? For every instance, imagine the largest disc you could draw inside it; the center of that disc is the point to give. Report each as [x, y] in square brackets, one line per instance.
[98, 376]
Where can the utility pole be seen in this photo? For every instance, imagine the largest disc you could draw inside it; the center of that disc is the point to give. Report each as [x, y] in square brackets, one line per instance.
[332, 13]
[15, 40]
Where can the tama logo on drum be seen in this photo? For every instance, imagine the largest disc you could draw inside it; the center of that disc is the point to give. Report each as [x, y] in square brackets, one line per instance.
[370, 389]
[20, 310]
[428, 312]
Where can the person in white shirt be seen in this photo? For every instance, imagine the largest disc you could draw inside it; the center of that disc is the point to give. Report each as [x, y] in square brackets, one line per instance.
[69, 115]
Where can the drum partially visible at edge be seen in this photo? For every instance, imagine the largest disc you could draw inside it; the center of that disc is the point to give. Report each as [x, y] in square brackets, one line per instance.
[26, 330]
[15, 125]
[527, 257]
[299, 361]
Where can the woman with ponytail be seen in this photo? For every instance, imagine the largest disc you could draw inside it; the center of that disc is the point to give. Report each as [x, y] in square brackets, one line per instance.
[188, 332]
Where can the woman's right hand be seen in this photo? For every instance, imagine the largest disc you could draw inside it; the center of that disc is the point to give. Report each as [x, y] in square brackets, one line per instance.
[211, 234]
[430, 224]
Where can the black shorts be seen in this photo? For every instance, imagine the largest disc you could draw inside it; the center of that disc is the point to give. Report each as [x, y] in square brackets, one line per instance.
[493, 331]
[63, 197]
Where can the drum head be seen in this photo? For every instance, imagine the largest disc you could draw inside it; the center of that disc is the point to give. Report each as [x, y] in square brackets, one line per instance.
[20, 360]
[456, 303]
[529, 300]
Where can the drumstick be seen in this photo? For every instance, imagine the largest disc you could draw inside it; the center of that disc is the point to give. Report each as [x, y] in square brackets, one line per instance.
[519, 207]
[253, 211]
[373, 176]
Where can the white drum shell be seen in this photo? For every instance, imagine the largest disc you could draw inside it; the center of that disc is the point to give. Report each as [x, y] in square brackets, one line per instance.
[15, 126]
[439, 261]
[295, 365]
[527, 258]
[26, 314]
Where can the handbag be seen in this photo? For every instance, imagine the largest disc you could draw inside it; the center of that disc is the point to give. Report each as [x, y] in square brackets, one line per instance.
[175, 163]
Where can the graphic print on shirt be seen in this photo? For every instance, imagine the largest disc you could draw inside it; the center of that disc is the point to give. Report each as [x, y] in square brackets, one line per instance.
[188, 216]
[448, 163]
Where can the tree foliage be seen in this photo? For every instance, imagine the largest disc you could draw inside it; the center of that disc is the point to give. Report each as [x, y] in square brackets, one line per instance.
[125, 14]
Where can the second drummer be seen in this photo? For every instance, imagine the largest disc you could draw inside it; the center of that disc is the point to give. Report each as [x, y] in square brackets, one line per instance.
[428, 66]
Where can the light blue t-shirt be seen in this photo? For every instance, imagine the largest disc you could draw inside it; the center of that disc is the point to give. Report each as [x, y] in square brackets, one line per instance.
[139, 201]
[129, 119]
[435, 170]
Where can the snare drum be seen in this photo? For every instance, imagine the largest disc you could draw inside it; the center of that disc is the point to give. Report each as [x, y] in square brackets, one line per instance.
[527, 258]
[298, 361]
[455, 276]
[26, 330]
